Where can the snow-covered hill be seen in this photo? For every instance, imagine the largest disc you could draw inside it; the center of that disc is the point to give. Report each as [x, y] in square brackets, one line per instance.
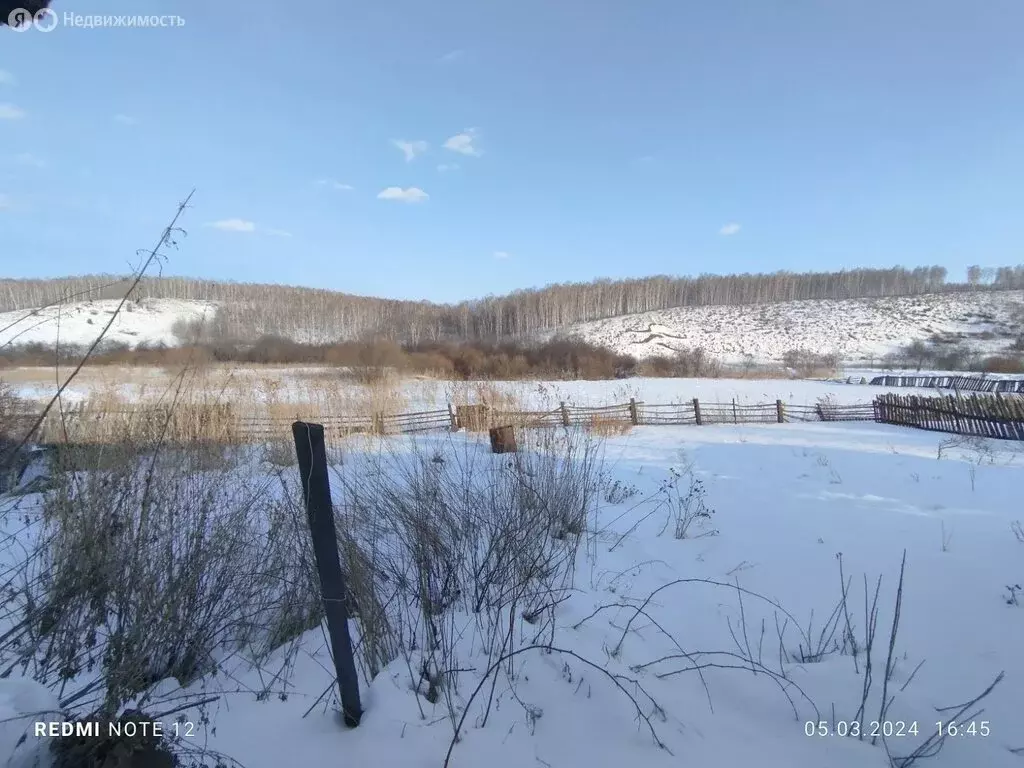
[856, 329]
[150, 321]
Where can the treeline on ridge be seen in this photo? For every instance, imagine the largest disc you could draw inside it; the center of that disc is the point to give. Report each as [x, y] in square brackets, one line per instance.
[249, 311]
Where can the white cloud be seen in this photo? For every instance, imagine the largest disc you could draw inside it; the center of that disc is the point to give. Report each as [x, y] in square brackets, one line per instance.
[233, 225]
[458, 53]
[27, 158]
[445, 167]
[407, 195]
[729, 229]
[334, 184]
[501, 255]
[125, 119]
[463, 143]
[410, 148]
[247, 227]
[7, 78]
[11, 112]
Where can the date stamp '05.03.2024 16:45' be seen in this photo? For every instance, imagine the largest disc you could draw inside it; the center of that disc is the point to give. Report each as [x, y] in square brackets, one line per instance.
[897, 728]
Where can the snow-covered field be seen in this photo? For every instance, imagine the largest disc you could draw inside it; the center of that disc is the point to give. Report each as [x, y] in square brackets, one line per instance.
[787, 500]
[855, 329]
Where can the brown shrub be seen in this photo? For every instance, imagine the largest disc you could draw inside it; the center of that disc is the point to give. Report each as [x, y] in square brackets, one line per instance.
[808, 363]
[1002, 364]
[686, 363]
[431, 363]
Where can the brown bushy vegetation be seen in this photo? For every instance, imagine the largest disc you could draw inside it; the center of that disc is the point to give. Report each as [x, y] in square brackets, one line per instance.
[1002, 364]
[369, 361]
[687, 363]
[556, 359]
[807, 363]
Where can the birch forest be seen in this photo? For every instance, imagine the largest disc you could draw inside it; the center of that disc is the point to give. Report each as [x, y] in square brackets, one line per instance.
[250, 310]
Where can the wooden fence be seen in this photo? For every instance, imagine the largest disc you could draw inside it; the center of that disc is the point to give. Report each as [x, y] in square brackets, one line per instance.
[977, 415]
[957, 383]
[1000, 416]
[380, 423]
[635, 412]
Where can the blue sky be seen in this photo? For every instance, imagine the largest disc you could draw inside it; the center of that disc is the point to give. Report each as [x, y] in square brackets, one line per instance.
[585, 138]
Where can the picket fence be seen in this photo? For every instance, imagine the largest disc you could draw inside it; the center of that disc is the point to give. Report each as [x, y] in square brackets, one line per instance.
[954, 383]
[977, 415]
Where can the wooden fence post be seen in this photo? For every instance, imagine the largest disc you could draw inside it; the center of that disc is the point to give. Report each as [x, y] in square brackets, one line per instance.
[696, 411]
[316, 493]
[780, 412]
[453, 418]
[634, 413]
[565, 413]
[735, 418]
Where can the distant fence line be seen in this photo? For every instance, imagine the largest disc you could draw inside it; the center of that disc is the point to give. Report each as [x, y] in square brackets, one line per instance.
[479, 417]
[957, 383]
[982, 415]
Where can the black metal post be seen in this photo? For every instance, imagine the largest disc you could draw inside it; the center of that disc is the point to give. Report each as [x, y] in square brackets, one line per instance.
[316, 493]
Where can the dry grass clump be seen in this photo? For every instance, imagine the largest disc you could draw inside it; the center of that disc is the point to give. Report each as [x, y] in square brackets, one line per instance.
[110, 420]
[13, 425]
[225, 558]
[11, 410]
[485, 404]
[382, 395]
[441, 541]
[320, 395]
[498, 396]
[609, 425]
[217, 406]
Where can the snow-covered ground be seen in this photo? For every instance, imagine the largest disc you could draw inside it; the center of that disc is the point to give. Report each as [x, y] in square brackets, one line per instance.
[787, 500]
[855, 329]
[151, 321]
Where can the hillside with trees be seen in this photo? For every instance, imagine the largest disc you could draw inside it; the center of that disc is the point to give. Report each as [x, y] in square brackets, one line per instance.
[250, 310]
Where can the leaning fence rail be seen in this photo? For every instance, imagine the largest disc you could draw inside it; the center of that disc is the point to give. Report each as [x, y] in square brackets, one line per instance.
[1001, 417]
